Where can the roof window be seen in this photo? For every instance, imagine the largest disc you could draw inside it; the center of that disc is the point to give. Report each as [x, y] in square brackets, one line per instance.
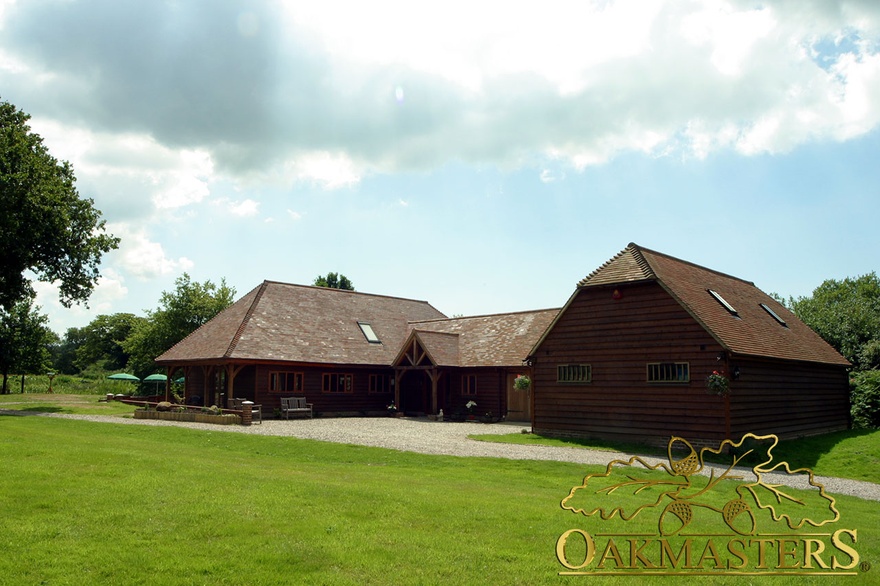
[773, 315]
[369, 334]
[722, 301]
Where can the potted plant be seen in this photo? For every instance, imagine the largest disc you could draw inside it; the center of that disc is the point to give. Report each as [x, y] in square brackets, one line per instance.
[392, 409]
[522, 383]
[470, 407]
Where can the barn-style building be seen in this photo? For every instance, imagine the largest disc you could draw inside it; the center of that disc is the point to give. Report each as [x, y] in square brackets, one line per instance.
[352, 353]
[630, 355]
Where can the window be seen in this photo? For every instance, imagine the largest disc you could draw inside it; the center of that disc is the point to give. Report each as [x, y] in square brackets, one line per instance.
[336, 383]
[574, 373]
[723, 302]
[369, 334]
[379, 383]
[669, 372]
[469, 384]
[285, 382]
[773, 315]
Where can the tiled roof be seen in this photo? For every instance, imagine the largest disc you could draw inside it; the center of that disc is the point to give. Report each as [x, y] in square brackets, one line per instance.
[284, 322]
[442, 347]
[493, 340]
[752, 331]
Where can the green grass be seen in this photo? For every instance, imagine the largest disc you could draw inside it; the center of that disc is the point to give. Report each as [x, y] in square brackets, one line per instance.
[851, 454]
[59, 403]
[86, 503]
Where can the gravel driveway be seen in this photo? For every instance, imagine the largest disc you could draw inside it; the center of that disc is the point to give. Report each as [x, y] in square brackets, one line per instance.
[445, 438]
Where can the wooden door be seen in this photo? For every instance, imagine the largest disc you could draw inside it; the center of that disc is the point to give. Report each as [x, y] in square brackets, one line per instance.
[519, 403]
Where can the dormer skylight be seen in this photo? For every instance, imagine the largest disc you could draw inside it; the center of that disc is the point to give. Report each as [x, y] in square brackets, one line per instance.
[723, 302]
[773, 315]
[369, 334]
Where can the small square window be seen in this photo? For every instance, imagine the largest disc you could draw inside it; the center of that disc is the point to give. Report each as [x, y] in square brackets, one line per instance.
[723, 302]
[774, 315]
[369, 333]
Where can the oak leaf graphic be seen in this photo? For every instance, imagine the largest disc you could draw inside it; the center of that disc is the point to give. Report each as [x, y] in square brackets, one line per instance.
[679, 484]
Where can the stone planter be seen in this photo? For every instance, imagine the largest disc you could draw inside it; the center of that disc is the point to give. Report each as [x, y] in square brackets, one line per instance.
[188, 416]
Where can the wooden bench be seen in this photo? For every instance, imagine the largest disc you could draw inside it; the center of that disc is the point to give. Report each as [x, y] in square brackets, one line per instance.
[296, 406]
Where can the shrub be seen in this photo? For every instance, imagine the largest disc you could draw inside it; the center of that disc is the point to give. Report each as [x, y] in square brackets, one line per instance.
[865, 398]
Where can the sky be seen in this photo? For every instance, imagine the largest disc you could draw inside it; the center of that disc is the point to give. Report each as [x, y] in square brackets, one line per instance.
[482, 156]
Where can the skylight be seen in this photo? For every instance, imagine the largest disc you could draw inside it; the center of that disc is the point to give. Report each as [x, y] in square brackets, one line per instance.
[773, 315]
[369, 334]
[722, 301]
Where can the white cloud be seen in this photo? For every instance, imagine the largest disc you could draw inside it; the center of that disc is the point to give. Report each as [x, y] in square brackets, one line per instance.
[330, 170]
[731, 35]
[186, 182]
[109, 289]
[294, 215]
[141, 257]
[309, 97]
[246, 208]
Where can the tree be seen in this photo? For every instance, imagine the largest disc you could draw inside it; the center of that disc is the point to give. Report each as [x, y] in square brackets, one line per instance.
[45, 227]
[334, 281]
[103, 339]
[180, 313]
[64, 352]
[846, 314]
[24, 341]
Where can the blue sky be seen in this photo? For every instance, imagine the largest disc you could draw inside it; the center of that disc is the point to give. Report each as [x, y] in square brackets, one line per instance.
[483, 157]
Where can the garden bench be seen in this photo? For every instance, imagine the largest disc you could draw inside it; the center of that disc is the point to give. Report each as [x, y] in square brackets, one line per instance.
[296, 406]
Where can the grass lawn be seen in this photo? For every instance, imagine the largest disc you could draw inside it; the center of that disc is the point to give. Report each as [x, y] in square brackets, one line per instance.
[91, 503]
[64, 403]
[847, 454]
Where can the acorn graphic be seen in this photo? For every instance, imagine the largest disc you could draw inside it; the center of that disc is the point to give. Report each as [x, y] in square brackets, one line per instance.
[675, 517]
[739, 517]
[686, 466]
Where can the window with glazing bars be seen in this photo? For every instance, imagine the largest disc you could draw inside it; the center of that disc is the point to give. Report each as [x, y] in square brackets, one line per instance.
[336, 383]
[668, 372]
[574, 373]
[285, 382]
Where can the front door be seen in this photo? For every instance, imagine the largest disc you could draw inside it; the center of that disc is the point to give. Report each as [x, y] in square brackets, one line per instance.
[413, 390]
[519, 403]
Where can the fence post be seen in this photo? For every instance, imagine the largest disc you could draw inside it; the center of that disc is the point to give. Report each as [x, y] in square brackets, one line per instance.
[247, 413]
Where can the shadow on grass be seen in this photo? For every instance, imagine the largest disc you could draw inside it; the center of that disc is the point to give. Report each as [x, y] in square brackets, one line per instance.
[807, 451]
[42, 409]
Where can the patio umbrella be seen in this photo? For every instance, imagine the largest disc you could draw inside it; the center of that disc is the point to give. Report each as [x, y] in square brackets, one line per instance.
[156, 378]
[124, 376]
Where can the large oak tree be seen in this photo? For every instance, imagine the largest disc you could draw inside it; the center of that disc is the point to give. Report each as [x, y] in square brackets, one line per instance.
[46, 228]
